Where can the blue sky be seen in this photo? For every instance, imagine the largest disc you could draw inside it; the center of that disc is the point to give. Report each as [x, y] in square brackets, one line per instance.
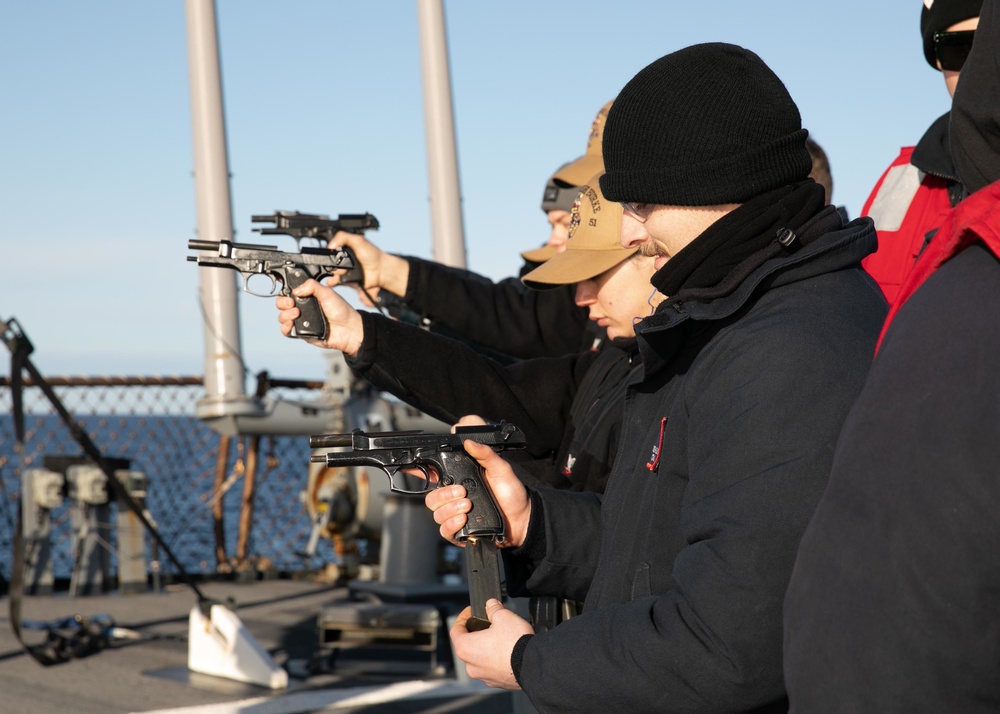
[324, 114]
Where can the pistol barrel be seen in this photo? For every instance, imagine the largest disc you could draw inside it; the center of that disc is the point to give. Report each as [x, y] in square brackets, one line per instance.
[323, 441]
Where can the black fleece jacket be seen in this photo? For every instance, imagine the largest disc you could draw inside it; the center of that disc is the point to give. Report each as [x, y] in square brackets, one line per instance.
[726, 448]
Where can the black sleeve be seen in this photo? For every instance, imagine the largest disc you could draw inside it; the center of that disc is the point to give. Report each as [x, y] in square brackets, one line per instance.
[506, 317]
[894, 598]
[559, 554]
[447, 379]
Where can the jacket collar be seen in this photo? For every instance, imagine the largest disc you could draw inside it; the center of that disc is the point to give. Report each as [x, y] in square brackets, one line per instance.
[932, 154]
[833, 250]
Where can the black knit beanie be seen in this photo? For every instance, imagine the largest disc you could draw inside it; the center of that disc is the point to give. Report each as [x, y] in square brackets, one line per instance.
[938, 16]
[706, 125]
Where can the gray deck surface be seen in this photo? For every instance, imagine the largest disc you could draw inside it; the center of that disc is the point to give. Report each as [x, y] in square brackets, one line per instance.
[151, 674]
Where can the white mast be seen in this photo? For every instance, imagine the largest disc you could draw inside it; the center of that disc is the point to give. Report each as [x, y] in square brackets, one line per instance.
[225, 391]
[442, 155]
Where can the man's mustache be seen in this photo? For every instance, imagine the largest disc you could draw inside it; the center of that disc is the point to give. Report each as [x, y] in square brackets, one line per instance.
[652, 249]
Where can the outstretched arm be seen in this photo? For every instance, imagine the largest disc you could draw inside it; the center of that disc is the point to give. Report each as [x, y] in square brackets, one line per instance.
[505, 317]
[383, 271]
[436, 374]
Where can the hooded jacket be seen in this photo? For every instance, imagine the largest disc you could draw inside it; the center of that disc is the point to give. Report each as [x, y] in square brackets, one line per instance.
[908, 203]
[726, 445]
[892, 606]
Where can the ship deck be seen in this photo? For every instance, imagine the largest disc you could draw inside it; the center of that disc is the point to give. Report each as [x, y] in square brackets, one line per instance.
[149, 673]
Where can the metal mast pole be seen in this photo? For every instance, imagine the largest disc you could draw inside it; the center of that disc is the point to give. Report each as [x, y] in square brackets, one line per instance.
[225, 391]
[442, 155]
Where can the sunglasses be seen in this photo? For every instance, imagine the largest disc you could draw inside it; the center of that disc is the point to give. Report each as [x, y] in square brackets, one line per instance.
[638, 211]
[952, 48]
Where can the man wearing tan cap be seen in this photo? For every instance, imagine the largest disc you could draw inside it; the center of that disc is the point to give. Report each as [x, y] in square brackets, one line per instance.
[562, 188]
[569, 408]
[502, 319]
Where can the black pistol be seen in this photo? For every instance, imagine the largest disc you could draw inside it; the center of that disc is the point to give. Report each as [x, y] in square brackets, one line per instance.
[289, 269]
[314, 226]
[394, 451]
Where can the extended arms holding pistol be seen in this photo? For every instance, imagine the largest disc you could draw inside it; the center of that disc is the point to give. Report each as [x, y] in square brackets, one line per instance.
[291, 269]
[444, 453]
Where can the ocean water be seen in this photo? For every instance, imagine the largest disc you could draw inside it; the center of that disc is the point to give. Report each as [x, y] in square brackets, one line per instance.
[178, 455]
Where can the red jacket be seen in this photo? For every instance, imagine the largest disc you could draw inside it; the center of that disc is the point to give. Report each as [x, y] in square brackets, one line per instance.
[977, 218]
[905, 204]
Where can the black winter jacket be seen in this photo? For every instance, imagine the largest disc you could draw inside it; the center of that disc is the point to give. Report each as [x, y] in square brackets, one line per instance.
[894, 601]
[726, 448]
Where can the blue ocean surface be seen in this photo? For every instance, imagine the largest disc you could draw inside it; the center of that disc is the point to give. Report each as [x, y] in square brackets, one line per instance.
[178, 454]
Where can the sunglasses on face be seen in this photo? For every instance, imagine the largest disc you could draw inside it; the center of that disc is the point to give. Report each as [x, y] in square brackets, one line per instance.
[638, 211]
[952, 48]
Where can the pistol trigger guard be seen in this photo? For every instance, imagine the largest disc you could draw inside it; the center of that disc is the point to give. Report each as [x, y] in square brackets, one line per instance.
[274, 286]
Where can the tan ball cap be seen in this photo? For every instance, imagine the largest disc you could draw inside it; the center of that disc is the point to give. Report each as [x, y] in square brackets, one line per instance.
[540, 255]
[571, 175]
[592, 247]
[576, 173]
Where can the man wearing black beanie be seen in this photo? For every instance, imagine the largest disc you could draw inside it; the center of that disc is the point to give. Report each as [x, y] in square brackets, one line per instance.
[749, 368]
[921, 185]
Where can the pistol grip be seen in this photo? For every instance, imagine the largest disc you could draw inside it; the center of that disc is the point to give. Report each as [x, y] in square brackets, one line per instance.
[311, 322]
[484, 520]
[355, 275]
